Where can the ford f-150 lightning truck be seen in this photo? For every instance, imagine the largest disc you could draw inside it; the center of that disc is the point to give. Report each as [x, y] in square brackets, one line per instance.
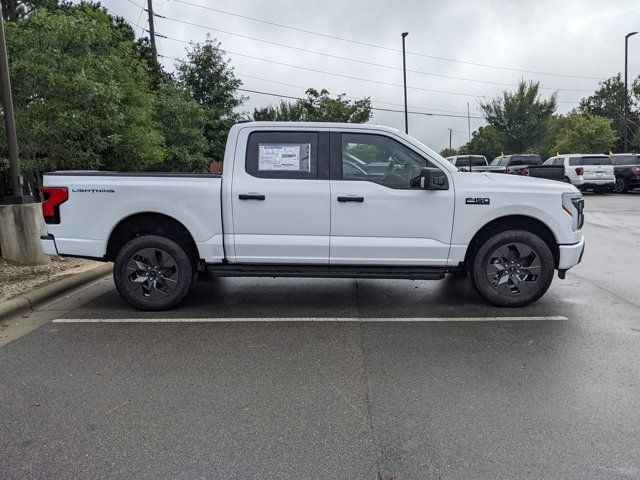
[317, 200]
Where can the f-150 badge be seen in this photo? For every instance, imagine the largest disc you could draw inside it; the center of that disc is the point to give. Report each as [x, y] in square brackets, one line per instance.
[477, 201]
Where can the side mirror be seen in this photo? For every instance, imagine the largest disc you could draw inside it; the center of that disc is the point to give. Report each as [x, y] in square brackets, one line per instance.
[431, 178]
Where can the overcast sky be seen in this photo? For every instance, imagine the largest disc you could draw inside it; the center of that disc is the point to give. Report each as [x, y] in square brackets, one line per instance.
[578, 38]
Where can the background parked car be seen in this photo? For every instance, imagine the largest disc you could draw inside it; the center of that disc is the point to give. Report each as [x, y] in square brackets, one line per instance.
[529, 165]
[466, 163]
[586, 171]
[626, 168]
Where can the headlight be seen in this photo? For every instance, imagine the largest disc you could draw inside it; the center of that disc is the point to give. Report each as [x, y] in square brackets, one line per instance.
[573, 204]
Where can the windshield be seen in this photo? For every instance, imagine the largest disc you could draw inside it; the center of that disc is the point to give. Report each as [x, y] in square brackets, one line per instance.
[595, 160]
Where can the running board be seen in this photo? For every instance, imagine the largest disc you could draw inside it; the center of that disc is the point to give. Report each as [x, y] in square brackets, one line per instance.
[325, 271]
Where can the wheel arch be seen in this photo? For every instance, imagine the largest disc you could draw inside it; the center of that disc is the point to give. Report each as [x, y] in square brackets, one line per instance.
[150, 223]
[513, 222]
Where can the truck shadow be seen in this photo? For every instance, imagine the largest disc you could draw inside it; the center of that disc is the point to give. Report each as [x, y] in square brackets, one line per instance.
[302, 298]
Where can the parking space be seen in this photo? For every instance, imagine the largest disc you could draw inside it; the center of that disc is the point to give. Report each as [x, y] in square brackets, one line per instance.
[296, 378]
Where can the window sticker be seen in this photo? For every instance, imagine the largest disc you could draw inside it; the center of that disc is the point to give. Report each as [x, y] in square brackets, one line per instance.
[286, 157]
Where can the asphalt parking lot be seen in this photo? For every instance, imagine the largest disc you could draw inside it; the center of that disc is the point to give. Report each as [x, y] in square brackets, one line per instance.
[316, 379]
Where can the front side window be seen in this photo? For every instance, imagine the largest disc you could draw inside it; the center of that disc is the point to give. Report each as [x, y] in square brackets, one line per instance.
[380, 159]
[283, 155]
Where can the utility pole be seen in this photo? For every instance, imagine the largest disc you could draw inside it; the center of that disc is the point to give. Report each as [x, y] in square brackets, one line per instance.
[469, 120]
[450, 135]
[152, 32]
[626, 88]
[404, 74]
[10, 127]
[21, 220]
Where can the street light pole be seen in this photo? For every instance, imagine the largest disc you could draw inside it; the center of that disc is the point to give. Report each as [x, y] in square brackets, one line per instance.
[404, 74]
[10, 126]
[626, 88]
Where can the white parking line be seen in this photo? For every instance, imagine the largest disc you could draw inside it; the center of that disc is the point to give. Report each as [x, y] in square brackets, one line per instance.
[308, 319]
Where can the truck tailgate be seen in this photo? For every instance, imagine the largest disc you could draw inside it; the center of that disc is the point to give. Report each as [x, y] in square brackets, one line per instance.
[550, 172]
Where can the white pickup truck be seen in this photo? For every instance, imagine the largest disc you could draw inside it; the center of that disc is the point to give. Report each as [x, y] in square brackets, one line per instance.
[317, 200]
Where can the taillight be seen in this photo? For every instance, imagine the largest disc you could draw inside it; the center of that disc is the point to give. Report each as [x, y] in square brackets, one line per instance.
[579, 170]
[525, 171]
[53, 198]
[635, 171]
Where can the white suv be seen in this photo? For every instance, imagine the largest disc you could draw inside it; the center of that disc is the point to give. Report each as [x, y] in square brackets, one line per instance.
[586, 171]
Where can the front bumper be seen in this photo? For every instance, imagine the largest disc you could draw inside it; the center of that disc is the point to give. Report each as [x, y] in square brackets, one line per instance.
[48, 245]
[570, 255]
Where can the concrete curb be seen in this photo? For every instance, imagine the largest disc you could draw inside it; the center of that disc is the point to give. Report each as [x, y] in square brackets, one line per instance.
[29, 301]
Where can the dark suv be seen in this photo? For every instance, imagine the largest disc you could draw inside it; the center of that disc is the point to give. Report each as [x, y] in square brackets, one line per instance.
[626, 168]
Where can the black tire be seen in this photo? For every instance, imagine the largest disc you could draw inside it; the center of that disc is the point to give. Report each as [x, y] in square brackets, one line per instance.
[621, 185]
[524, 258]
[153, 273]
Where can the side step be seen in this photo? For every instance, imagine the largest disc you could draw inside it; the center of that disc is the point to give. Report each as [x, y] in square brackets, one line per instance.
[326, 271]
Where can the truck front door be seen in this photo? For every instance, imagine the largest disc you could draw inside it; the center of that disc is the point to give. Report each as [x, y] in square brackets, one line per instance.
[376, 217]
[280, 198]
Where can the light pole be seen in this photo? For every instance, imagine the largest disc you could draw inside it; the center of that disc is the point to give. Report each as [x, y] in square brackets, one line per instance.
[626, 89]
[404, 74]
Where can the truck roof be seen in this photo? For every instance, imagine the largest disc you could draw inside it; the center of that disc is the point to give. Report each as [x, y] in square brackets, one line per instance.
[297, 125]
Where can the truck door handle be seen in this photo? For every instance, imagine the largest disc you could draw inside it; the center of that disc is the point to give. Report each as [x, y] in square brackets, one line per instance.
[351, 199]
[251, 196]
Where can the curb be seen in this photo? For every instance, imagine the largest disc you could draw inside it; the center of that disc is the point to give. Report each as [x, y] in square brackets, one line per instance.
[29, 301]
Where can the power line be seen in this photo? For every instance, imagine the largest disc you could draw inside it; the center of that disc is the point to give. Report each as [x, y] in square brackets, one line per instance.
[372, 108]
[357, 42]
[339, 74]
[347, 96]
[291, 97]
[339, 57]
[334, 73]
[245, 75]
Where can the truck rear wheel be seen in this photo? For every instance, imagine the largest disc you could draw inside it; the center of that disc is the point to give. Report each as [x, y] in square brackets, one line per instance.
[621, 185]
[153, 273]
[512, 268]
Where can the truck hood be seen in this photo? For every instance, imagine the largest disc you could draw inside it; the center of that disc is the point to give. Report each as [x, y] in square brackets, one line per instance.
[533, 183]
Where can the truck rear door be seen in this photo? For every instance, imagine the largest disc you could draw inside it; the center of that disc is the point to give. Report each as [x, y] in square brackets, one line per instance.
[280, 198]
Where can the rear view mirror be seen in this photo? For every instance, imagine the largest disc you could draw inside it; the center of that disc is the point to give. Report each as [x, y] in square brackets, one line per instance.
[431, 178]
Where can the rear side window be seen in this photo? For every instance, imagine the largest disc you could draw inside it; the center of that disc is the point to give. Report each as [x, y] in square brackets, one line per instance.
[590, 161]
[626, 160]
[283, 155]
[525, 160]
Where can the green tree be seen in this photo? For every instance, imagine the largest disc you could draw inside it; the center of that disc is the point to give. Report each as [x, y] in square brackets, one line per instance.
[608, 102]
[81, 92]
[318, 107]
[181, 121]
[448, 152]
[212, 84]
[485, 141]
[586, 134]
[520, 118]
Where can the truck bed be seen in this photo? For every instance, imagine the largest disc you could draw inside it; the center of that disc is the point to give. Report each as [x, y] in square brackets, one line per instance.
[98, 201]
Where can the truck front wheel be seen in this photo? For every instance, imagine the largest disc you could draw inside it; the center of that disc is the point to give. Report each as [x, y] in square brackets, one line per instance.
[512, 268]
[153, 273]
